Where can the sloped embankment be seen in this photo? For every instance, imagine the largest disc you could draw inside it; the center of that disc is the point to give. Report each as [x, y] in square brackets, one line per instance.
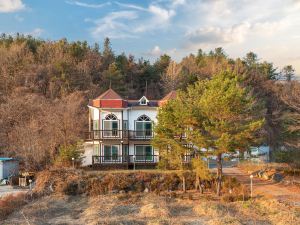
[73, 182]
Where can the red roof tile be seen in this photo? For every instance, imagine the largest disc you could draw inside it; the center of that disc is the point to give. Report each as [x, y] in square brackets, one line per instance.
[110, 94]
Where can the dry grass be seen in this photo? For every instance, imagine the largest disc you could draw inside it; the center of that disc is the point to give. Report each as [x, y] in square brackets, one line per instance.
[252, 167]
[10, 203]
[152, 209]
[73, 182]
[260, 211]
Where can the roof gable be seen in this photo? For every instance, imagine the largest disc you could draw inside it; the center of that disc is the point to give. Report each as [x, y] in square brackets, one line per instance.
[110, 94]
[171, 95]
[143, 101]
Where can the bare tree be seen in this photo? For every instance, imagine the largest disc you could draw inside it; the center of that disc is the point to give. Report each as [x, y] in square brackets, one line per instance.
[172, 78]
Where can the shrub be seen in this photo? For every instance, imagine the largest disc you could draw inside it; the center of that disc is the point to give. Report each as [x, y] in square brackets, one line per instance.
[10, 203]
[62, 181]
[68, 153]
[291, 157]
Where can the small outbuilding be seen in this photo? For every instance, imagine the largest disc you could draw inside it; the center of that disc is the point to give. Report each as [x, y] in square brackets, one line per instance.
[8, 167]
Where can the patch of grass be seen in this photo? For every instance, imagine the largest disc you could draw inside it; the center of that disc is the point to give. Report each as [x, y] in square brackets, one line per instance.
[10, 203]
[148, 208]
[252, 166]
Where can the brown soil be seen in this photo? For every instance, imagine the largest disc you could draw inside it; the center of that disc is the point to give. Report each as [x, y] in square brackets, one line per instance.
[286, 194]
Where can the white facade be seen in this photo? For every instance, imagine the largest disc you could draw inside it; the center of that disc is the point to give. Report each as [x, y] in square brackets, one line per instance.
[123, 138]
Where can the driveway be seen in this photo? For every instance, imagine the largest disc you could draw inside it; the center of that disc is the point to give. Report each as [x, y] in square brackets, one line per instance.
[267, 188]
[7, 189]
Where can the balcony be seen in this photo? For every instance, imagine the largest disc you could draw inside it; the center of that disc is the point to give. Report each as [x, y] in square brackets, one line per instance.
[119, 134]
[112, 159]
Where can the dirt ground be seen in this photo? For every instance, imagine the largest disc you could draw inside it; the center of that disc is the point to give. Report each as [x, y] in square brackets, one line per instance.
[7, 189]
[272, 204]
[286, 194]
[148, 208]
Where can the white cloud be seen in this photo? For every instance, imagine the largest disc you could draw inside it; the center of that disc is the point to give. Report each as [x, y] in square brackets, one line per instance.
[218, 35]
[155, 10]
[37, 32]
[163, 14]
[131, 6]
[236, 34]
[131, 23]
[113, 26]
[156, 51]
[83, 4]
[8, 6]
[178, 2]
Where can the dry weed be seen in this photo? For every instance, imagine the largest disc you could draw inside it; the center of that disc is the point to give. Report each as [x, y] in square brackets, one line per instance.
[10, 203]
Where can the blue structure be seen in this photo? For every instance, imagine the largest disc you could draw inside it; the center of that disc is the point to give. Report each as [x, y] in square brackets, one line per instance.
[8, 167]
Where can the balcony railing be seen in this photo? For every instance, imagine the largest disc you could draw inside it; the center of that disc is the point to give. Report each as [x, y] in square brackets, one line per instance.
[119, 134]
[111, 159]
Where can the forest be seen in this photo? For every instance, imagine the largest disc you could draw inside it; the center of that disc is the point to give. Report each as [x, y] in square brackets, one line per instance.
[45, 87]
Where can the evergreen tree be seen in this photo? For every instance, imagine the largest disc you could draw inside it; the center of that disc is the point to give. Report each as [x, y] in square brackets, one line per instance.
[224, 116]
[288, 72]
[113, 78]
[216, 114]
[108, 55]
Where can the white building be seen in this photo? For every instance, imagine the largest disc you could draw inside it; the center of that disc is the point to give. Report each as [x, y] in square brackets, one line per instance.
[120, 131]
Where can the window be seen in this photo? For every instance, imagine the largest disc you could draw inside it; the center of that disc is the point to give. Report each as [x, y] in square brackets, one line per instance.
[143, 126]
[111, 117]
[111, 153]
[125, 124]
[143, 101]
[143, 153]
[96, 149]
[96, 129]
[143, 118]
[125, 152]
[110, 126]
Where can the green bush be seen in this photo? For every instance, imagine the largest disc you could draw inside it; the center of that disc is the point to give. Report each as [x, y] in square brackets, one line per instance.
[68, 153]
[289, 156]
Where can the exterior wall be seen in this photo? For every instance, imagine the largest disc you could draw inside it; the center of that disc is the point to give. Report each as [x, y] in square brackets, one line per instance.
[8, 168]
[88, 153]
[94, 112]
[135, 113]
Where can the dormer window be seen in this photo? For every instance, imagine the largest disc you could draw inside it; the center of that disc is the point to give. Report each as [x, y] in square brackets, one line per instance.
[143, 101]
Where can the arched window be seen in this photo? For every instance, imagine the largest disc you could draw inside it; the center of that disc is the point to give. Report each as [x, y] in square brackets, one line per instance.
[111, 117]
[143, 118]
[110, 126]
[143, 126]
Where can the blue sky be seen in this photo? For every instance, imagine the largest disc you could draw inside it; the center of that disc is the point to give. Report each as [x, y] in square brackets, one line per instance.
[270, 28]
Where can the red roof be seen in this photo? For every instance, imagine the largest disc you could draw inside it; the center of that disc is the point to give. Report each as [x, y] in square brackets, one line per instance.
[171, 95]
[110, 94]
[111, 99]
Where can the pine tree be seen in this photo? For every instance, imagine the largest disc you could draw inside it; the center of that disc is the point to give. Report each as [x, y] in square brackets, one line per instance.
[288, 72]
[217, 114]
[224, 116]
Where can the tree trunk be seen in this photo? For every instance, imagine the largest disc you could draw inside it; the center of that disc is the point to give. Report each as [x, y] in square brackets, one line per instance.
[197, 183]
[183, 184]
[201, 188]
[219, 173]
